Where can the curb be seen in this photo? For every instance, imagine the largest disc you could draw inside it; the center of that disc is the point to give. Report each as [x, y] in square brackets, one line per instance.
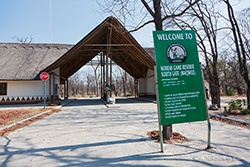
[34, 116]
[231, 119]
[24, 120]
[218, 116]
[67, 102]
[145, 100]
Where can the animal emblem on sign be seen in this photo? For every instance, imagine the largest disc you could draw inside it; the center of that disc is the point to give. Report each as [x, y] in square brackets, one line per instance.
[176, 53]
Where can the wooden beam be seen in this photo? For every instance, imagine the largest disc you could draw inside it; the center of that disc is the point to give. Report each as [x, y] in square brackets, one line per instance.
[108, 44]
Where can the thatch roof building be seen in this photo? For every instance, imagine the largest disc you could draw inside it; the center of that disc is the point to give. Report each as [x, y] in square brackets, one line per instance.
[22, 63]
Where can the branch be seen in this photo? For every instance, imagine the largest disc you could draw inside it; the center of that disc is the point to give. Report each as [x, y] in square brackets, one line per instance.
[148, 8]
[148, 22]
[176, 15]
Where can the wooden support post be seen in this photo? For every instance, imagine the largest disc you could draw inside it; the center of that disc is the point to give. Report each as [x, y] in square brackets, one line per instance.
[136, 87]
[101, 74]
[110, 75]
[104, 77]
[67, 89]
[109, 35]
[107, 70]
[65, 92]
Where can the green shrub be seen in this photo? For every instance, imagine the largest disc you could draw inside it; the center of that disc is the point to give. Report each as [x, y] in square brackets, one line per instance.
[245, 111]
[239, 104]
[231, 92]
[232, 105]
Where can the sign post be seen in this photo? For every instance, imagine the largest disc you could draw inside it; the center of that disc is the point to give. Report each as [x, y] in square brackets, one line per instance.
[158, 110]
[44, 76]
[180, 83]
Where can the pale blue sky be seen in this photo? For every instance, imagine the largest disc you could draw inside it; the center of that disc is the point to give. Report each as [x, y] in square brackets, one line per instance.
[71, 20]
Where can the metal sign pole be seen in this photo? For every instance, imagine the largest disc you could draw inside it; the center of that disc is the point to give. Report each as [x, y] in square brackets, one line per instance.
[44, 76]
[208, 118]
[158, 108]
[44, 93]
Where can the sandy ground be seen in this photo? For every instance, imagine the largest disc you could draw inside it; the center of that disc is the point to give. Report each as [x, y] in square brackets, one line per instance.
[224, 102]
[87, 133]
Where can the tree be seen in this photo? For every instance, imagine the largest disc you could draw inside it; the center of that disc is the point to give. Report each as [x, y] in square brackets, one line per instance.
[203, 18]
[244, 22]
[154, 9]
[90, 81]
[23, 39]
[229, 75]
[76, 85]
[240, 48]
[96, 75]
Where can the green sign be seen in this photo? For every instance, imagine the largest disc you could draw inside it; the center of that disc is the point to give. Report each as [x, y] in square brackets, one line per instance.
[181, 90]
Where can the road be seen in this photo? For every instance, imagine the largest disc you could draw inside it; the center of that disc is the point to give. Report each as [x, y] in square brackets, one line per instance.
[87, 133]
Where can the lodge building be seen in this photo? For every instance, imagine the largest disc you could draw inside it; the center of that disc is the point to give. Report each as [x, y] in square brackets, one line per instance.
[22, 63]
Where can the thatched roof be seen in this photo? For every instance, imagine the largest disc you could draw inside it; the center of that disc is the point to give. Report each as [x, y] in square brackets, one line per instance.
[24, 61]
[110, 35]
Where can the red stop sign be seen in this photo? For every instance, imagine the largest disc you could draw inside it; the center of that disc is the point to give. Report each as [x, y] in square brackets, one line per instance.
[44, 76]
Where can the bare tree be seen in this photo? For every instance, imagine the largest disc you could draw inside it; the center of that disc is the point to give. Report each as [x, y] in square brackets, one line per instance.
[124, 83]
[23, 39]
[90, 81]
[96, 75]
[240, 48]
[229, 75]
[150, 12]
[203, 18]
[244, 22]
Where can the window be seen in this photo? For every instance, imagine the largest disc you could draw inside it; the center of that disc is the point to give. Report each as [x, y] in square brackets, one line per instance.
[3, 88]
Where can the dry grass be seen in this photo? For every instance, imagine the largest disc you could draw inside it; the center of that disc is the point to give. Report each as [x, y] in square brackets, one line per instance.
[8, 117]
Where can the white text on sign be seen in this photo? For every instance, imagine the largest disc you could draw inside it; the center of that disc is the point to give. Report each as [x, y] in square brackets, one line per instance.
[175, 36]
[178, 70]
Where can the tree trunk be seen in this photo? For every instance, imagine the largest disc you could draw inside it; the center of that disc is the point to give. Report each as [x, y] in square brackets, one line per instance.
[240, 50]
[239, 90]
[167, 129]
[248, 96]
[215, 91]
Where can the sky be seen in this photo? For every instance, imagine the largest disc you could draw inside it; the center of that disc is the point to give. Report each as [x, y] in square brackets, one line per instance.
[71, 20]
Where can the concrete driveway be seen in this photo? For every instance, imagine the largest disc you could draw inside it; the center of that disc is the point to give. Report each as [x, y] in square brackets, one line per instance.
[87, 133]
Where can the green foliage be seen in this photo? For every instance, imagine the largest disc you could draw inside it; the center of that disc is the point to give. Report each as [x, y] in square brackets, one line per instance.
[155, 132]
[233, 105]
[240, 105]
[245, 111]
[231, 92]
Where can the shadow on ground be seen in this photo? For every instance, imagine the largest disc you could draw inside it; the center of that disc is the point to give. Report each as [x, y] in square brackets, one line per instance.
[85, 159]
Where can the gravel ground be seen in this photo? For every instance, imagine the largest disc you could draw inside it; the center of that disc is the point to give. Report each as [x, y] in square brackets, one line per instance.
[87, 133]
[224, 102]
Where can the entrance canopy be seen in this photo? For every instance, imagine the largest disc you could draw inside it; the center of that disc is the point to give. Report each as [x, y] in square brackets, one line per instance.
[111, 38]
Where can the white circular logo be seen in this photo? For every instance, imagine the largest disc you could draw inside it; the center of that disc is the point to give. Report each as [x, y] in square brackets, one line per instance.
[176, 53]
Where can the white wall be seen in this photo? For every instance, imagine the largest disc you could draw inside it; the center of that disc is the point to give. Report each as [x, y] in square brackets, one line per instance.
[147, 85]
[24, 88]
[30, 88]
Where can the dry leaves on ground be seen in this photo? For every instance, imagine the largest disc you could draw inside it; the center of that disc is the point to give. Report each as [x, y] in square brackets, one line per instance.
[8, 117]
[231, 122]
[176, 138]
